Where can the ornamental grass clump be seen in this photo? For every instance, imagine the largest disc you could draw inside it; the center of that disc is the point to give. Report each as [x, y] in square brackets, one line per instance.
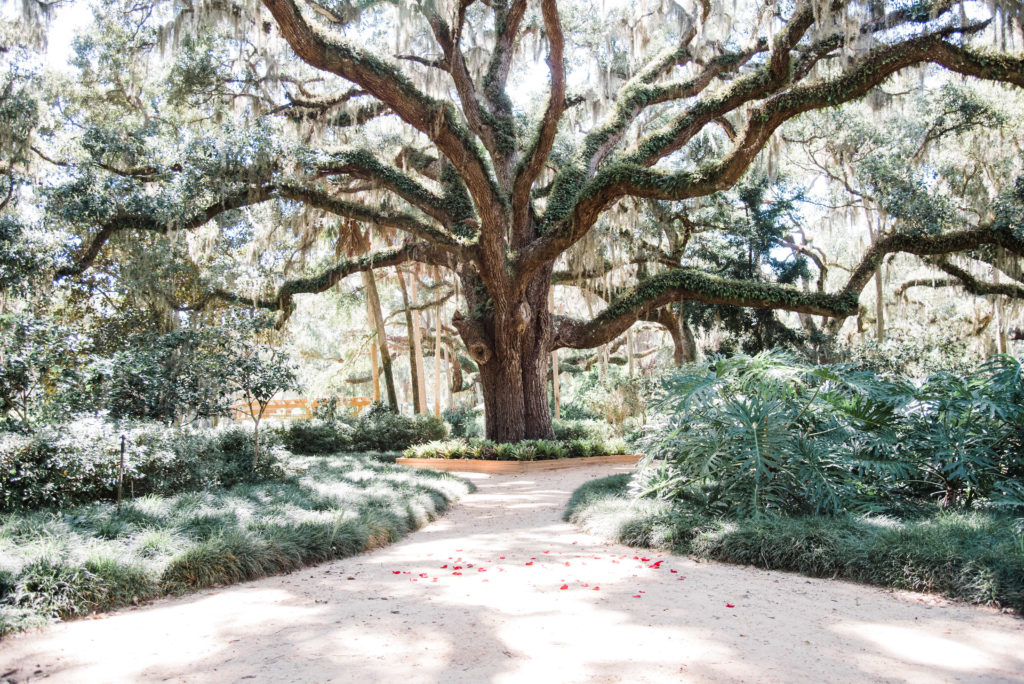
[974, 556]
[57, 565]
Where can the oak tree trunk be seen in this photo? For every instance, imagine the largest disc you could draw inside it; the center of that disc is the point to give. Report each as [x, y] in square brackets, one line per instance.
[511, 349]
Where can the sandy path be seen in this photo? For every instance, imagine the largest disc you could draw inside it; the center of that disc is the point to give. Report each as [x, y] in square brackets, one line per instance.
[355, 620]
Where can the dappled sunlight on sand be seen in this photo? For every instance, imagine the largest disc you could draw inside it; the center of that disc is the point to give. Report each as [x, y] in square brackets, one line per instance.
[500, 590]
[954, 648]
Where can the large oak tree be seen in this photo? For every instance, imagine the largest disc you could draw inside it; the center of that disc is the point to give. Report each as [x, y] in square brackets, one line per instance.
[494, 165]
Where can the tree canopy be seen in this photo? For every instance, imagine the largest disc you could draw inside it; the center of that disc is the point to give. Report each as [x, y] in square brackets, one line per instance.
[229, 153]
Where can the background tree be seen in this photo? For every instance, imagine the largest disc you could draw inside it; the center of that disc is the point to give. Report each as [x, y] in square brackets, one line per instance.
[258, 375]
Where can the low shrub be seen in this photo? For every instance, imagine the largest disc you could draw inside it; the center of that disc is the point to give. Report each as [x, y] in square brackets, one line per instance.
[62, 564]
[566, 430]
[378, 429]
[462, 421]
[974, 556]
[526, 450]
[386, 431]
[316, 436]
[78, 462]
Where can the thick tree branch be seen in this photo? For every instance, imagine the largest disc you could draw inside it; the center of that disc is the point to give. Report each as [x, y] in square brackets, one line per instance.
[691, 284]
[578, 211]
[282, 298]
[455, 64]
[363, 165]
[929, 245]
[88, 254]
[901, 291]
[539, 150]
[975, 286]
[323, 200]
[436, 119]
[249, 196]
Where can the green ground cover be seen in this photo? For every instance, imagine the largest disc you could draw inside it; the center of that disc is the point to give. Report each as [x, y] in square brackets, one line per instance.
[60, 564]
[975, 556]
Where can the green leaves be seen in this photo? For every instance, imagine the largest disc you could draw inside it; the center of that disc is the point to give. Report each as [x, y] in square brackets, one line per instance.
[768, 434]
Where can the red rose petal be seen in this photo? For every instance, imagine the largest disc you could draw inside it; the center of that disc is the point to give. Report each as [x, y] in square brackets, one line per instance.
[597, 588]
[396, 572]
[564, 586]
[457, 567]
[637, 596]
[729, 605]
[673, 571]
[586, 585]
[445, 567]
[501, 557]
[456, 573]
[530, 563]
[481, 569]
[423, 574]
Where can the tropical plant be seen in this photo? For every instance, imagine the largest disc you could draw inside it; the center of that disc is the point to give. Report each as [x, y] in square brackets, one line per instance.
[751, 435]
[963, 434]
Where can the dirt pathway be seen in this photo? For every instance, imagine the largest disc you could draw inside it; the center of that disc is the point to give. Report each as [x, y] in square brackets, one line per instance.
[405, 614]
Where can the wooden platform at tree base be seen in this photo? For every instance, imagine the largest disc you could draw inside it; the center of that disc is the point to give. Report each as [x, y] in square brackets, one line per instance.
[476, 465]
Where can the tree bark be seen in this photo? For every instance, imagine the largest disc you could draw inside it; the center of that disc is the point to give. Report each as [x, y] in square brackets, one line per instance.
[437, 361]
[375, 371]
[684, 346]
[417, 407]
[377, 315]
[417, 332]
[556, 390]
[449, 360]
[879, 307]
[511, 348]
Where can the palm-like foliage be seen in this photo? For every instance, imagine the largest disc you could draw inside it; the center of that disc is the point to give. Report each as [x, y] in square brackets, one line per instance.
[762, 434]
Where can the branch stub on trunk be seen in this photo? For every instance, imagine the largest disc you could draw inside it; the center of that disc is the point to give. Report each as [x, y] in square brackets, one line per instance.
[475, 337]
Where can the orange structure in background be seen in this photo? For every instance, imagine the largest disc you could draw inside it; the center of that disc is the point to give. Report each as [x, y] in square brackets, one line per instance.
[294, 409]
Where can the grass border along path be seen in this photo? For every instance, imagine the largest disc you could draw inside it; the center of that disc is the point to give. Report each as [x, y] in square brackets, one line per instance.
[69, 563]
[973, 556]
